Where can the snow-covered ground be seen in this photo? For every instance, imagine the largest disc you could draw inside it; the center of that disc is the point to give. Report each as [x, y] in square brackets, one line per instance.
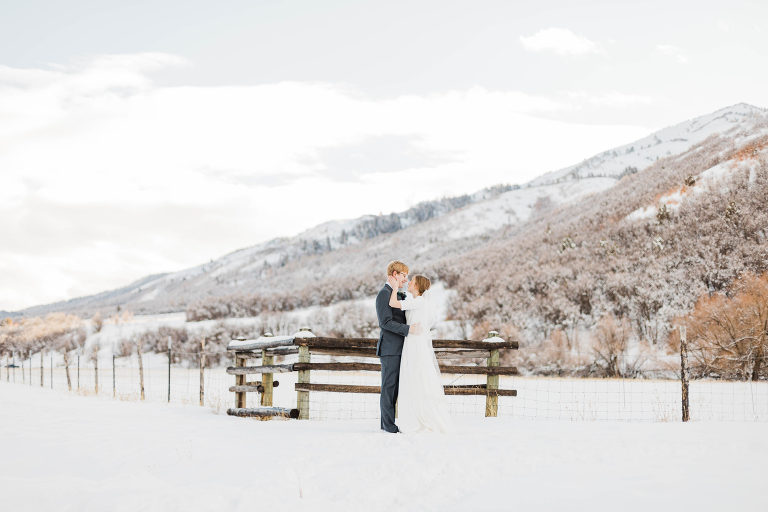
[73, 453]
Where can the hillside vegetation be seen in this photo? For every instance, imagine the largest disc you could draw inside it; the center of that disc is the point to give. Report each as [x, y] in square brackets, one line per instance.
[565, 271]
[590, 267]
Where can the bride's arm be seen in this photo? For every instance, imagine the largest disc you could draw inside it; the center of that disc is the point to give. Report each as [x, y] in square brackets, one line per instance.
[393, 302]
[405, 304]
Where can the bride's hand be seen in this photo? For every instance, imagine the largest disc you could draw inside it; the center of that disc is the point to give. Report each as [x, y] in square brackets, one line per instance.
[415, 329]
[392, 282]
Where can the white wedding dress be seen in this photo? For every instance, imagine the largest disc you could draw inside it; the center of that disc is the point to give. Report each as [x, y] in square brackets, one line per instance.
[421, 403]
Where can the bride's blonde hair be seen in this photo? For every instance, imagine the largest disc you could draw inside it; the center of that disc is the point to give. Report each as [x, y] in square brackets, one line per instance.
[422, 283]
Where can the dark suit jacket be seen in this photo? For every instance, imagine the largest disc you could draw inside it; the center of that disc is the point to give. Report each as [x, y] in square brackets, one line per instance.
[392, 323]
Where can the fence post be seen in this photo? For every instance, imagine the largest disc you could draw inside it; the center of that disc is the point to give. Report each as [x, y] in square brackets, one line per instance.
[302, 397]
[96, 370]
[267, 378]
[66, 369]
[141, 369]
[41, 368]
[202, 366]
[239, 381]
[492, 382]
[169, 369]
[684, 371]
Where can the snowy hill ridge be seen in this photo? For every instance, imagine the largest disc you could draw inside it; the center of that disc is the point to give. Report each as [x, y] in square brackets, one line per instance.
[669, 141]
[276, 253]
[445, 227]
[326, 237]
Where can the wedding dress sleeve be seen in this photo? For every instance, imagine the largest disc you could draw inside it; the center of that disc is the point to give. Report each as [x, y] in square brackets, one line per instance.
[411, 303]
[428, 310]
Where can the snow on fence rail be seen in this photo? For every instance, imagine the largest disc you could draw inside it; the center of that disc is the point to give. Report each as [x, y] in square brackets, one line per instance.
[304, 344]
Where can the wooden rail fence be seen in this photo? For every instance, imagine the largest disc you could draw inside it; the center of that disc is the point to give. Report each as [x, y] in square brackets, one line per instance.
[304, 344]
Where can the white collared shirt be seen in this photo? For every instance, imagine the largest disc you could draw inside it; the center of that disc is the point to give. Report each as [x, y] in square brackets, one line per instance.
[387, 284]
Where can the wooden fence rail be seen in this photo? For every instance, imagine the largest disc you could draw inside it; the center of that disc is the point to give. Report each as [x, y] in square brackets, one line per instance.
[304, 343]
[480, 389]
[366, 367]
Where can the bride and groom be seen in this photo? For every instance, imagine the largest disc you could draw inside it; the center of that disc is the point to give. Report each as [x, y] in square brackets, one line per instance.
[410, 375]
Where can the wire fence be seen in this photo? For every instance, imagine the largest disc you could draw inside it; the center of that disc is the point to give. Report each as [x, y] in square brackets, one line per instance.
[538, 398]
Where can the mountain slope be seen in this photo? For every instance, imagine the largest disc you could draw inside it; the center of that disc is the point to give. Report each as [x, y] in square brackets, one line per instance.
[343, 259]
[564, 271]
[669, 141]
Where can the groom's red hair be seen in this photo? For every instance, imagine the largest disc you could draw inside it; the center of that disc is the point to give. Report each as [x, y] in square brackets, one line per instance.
[396, 266]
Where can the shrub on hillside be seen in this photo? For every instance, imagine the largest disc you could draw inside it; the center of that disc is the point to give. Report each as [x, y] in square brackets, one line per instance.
[728, 332]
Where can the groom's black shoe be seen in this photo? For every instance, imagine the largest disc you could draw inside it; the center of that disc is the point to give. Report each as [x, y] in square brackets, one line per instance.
[391, 431]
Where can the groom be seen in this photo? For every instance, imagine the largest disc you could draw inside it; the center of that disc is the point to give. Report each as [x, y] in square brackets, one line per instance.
[390, 345]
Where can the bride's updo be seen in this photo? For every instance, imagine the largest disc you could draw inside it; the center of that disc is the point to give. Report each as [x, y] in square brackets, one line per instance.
[422, 283]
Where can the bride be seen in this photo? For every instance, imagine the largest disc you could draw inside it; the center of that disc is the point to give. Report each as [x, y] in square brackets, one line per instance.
[421, 403]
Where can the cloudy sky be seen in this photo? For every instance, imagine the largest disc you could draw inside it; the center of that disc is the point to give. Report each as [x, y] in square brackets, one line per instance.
[143, 137]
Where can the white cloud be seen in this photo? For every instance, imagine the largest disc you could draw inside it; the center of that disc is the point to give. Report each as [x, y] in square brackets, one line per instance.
[560, 41]
[723, 25]
[612, 99]
[673, 51]
[108, 177]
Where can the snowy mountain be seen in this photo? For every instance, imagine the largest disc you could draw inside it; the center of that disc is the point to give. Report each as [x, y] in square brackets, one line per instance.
[423, 235]
[638, 155]
[688, 228]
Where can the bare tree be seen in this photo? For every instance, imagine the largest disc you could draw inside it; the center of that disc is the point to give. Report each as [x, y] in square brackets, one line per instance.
[65, 343]
[611, 339]
[97, 322]
[729, 335]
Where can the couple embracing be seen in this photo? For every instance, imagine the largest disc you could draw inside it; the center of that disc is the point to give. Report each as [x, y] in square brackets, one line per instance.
[410, 375]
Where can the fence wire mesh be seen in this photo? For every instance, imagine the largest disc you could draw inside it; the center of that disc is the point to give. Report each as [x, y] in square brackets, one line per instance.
[538, 398]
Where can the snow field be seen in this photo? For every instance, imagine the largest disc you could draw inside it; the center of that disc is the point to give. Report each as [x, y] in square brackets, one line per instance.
[73, 453]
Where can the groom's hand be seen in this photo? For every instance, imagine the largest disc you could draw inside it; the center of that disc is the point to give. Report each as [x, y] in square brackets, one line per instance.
[415, 329]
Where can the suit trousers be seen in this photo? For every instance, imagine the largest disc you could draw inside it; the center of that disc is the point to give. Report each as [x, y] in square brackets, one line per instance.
[390, 381]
